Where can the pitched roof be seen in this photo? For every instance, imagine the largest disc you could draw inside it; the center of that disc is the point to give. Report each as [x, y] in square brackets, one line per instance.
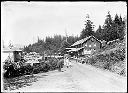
[83, 40]
[75, 49]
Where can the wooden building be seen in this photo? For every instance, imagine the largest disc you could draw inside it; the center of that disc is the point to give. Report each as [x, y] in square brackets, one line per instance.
[85, 46]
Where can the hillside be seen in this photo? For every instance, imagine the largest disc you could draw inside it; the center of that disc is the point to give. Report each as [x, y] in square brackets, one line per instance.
[111, 57]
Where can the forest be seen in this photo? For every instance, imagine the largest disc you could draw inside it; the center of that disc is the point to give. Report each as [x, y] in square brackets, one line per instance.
[112, 29]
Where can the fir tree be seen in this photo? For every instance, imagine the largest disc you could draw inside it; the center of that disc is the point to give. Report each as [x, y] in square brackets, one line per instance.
[88, 30]
[107, 28]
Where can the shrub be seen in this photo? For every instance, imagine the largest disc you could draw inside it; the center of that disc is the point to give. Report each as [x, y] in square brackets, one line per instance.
[92, 61]
[52, 63]
[113, 61]
[27, 69]
[17, 69]
[123, 72]
[44, 67]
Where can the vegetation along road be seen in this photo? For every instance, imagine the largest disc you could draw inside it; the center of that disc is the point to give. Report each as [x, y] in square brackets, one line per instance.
[78, 78]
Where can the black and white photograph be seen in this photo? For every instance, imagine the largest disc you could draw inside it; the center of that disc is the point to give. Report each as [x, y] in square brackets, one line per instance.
[63, 46]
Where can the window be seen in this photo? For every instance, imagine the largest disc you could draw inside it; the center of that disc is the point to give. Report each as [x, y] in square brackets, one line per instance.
[92, 40]
[86, 45]
[95, 45]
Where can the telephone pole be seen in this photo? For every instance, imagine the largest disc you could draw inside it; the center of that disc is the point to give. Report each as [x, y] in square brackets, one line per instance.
[66, 34]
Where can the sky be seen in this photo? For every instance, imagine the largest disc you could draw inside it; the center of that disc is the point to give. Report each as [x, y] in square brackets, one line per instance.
[23, 22]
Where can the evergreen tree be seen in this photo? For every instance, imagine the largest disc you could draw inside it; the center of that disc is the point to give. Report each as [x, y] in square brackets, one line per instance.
[117, 20]
[99, 33]
[121, 21]
[121, 30]
[64, 45]
[108, 21]
[113, 29]
[119, 27]
[88, 30]
[107, 28]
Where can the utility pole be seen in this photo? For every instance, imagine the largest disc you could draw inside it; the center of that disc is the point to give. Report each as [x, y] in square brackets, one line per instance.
[66, 34]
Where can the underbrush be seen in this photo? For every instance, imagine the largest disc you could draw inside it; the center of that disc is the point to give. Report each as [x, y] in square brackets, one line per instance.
[12, 70]
[15, 78]
[113, 61]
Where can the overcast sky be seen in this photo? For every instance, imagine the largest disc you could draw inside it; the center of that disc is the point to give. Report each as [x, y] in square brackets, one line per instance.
[22, 22]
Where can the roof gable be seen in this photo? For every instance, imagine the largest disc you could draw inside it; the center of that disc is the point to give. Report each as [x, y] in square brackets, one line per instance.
[84, 40]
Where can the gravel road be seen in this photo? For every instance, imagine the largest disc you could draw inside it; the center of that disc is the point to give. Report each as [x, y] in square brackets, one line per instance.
[78, 78]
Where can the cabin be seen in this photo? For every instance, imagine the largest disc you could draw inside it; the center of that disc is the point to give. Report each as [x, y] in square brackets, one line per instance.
[85, 46]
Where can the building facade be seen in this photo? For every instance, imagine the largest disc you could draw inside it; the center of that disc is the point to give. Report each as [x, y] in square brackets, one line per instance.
[85, 46]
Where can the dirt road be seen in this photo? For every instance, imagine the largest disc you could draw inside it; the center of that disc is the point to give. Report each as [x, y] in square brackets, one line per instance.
[78, 78]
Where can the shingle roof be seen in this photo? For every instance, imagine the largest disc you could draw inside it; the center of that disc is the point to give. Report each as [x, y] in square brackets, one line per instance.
[83, 40]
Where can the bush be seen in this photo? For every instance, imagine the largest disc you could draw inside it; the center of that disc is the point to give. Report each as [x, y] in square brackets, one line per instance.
[25, 69]
[109, 60]
[52, 63]
[92, 61]
[44, 67]
[123, 72]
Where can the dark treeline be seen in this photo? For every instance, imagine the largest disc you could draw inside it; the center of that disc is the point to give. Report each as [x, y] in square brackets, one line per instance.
[113, 28]
[51, 45]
